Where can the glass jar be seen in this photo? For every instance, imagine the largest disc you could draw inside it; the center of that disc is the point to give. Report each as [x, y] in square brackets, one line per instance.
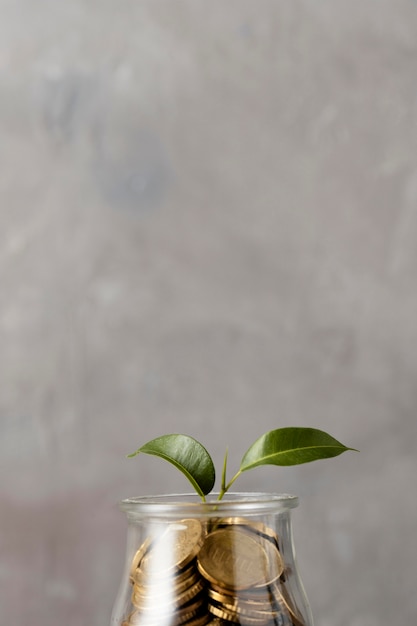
[228, 562]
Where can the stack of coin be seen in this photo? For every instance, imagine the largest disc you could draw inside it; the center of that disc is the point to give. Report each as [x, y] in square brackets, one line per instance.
[243, 567]
[167, 586]
[228, 573]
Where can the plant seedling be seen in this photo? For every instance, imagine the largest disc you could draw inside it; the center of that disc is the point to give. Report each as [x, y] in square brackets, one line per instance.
[282, 446]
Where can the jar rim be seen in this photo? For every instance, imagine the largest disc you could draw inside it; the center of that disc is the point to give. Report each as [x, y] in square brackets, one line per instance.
[190, 504]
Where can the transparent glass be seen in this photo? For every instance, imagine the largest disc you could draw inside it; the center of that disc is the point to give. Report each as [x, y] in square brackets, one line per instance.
[228, 562]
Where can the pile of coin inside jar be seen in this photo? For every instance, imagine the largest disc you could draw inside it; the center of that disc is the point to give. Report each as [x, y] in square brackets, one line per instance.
[224, 573]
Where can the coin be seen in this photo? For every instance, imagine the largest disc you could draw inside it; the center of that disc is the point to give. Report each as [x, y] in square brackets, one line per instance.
[231, 558]
[248, 605]
[168, 597]
[167, 583]
[228, 572]
[255, 526]
[275, 561]
[177, 547]
[221, 596]
[192, 605]
[247, 601]
[264, 534]
[231, 615]
[202, 620]
[172, 599]
[140, 553]
[183, 617]
[174, 584]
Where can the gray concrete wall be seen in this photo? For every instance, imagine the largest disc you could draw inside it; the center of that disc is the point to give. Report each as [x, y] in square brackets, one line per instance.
[208, 224]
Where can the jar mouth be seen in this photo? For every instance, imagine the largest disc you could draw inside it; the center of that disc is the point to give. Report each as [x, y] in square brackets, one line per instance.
[191, 505]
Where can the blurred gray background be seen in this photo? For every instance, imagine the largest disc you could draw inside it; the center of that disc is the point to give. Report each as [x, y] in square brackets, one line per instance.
[208, 225]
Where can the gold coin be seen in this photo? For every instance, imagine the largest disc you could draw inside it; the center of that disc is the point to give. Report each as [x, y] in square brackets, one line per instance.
[244, 601]
[221, 596]
[233, 616]
[189, 594]
[176, 548]
[174, 584]
[202, 620]
[260, 606]
[238, 598]
[140, 553]
[254, 526]
[192, 605]
[249, 609]
[174, 589]
[219, 612]
[233, 559]
[181, 617]
[172, 609]
[171, 600]
[269, 540]
[275, 562]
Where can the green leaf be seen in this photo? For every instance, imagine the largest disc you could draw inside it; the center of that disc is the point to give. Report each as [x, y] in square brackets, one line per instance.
[188, 455]
[291, 446]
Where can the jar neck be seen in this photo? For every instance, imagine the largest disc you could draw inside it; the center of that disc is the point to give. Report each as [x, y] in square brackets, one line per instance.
[175, 506]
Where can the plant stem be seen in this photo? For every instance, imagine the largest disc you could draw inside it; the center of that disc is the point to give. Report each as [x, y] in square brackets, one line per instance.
[223, 486]
[229, 484]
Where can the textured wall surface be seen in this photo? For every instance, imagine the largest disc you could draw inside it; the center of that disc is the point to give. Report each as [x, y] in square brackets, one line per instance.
[208, 224]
